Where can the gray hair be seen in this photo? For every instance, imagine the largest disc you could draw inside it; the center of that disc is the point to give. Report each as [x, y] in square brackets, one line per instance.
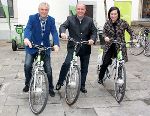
[44, 4]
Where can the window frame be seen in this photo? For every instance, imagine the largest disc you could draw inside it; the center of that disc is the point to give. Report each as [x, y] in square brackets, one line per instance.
[9, 8]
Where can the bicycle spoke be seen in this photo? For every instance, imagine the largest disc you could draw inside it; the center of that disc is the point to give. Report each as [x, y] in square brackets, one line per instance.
[147, 48]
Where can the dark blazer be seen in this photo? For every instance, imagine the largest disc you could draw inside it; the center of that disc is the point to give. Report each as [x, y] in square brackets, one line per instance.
[83, 30]
[33, 32]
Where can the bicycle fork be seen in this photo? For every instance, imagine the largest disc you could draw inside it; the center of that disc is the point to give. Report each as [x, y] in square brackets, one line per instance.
[119, 72]
[38, 79]
[72, 79]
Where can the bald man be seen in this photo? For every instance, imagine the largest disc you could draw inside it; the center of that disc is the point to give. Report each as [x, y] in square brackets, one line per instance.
[81, 28]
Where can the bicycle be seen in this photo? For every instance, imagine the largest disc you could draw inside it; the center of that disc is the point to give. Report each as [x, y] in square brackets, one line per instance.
[117, 71]
[73, 77]
[38, 88]
[142, 43]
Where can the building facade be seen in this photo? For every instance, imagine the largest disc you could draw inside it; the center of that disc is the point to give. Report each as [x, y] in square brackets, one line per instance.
[21, 9]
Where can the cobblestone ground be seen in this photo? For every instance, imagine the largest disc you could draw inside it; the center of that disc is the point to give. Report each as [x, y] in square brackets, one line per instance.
[99, 101]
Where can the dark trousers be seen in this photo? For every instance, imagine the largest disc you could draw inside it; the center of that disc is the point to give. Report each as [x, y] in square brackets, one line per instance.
[29, 58]
[112, 52]
[84, 62]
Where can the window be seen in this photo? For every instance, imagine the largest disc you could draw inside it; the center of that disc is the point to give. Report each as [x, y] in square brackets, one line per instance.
[89, 11]
[146, 9]
[10, 7]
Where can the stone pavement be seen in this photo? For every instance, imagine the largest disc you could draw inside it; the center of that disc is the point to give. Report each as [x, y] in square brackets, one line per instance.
[99, 101]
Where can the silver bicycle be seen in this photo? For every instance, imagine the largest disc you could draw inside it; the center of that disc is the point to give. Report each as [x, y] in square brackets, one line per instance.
[73, 78]
[38, 89]
[116, 71]
[142, 43]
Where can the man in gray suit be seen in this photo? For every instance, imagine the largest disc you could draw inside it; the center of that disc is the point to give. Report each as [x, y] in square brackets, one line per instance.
[81, 28]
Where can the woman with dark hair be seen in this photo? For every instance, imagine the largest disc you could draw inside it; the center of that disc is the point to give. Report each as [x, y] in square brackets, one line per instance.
[114, 29]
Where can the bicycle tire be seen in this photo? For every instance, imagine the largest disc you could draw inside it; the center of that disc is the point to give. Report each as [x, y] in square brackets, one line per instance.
[120, 87]
[37, 102]
[14, 45]
[72, 91]
[147, 47]
[136, 48]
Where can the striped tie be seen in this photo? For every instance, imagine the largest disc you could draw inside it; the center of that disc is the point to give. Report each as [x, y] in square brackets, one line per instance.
[43, 23]
[43, 27]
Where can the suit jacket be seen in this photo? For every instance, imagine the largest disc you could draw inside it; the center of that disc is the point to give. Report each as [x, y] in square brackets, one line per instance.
[79, 30]
[33, 32]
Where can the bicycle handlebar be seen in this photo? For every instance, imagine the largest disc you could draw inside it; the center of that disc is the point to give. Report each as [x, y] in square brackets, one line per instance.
[41, 47]
[77, 42]
[19, 25]
[120, 43]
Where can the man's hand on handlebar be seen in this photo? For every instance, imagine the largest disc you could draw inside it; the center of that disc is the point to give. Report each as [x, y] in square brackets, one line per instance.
[27, 42]
[64, 36]
[107, 39]
[56, 48]
[91, 42]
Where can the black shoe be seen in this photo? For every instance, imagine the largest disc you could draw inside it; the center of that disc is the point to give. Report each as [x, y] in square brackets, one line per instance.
[26, 88]
[100, 81]
[83, 90]
[52, 93]
[58, 86]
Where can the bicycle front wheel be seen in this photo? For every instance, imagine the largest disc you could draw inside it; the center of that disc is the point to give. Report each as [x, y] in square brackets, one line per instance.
[120, 83]
[73, 84]
[38, 92]
[136, 48]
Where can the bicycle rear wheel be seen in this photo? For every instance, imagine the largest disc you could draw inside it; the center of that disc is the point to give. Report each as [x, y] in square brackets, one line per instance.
[147, 47]
[73, 84]
[136, 48]
[38, 92]
[120, 83]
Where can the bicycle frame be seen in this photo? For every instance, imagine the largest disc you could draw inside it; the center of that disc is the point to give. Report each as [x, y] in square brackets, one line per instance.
[39, 67]
[74, 60]
[72, 64]
[39, 62]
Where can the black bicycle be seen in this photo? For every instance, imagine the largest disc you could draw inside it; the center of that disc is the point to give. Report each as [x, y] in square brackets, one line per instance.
[38, 89]
[73, 78]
